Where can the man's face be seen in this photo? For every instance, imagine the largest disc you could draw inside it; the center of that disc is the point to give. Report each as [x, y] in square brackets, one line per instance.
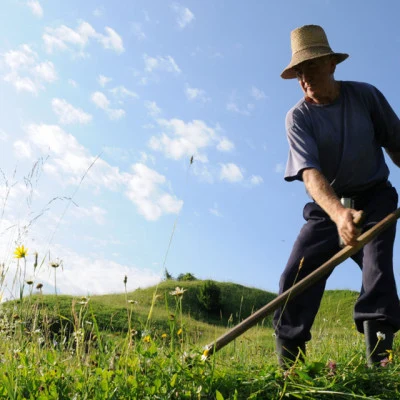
[315, 76]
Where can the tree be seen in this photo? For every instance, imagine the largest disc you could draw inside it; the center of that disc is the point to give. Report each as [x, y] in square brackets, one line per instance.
[167, 275]
[210, 296]
[186, 277]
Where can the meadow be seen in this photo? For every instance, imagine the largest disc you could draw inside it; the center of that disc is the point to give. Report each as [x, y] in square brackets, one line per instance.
[149, 344]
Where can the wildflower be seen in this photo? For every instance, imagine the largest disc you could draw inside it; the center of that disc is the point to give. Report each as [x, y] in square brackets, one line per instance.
[179, 331]
[55, 263]
[125, 280]
[39, 286]
[205, 354]
[20, 252]
[332, 368]
[164, 336]
[29, 282]
[178, 292]
[133, 302]
[380, 335]
[147, 339]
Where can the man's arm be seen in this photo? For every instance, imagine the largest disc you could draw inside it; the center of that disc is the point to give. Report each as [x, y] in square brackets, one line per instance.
[320, 190]
[395, 156]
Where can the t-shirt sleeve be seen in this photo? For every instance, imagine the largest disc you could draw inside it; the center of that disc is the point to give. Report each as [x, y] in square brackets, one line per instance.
[303, 150]
[385, 120]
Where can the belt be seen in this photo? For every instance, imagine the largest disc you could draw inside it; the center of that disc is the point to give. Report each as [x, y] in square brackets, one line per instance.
[366, 192]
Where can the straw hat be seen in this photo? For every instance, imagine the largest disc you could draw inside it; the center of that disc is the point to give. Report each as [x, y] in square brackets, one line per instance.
[308, 42]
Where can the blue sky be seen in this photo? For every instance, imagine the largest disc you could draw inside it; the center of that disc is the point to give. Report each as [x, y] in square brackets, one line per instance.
[103, 104]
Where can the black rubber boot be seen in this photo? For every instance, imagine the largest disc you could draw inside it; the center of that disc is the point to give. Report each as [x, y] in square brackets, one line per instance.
[378, 340]
[289, 351]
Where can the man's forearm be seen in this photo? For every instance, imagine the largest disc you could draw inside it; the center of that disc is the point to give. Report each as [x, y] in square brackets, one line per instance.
[319, 189]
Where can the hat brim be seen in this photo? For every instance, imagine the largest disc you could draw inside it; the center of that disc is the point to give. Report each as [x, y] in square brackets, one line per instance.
[290, 73]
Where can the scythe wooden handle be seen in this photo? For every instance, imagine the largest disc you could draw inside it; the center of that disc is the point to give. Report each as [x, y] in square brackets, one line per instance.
[302, 285]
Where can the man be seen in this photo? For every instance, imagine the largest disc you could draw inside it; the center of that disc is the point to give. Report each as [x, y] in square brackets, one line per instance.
[336, 133]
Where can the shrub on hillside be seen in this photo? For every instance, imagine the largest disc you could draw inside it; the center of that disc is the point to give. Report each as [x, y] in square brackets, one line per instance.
[210, 296]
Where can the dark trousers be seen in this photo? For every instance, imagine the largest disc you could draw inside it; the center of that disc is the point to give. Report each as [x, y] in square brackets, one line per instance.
[317, 242]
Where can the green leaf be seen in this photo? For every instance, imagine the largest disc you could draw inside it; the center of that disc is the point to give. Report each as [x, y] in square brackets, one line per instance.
[218, 395]
[173, 379]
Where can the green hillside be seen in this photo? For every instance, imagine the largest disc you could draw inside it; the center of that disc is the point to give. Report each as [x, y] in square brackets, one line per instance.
[237, 302]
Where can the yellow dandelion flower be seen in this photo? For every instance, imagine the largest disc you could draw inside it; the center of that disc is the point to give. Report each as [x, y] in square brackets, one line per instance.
[20, 252]
[147, 339]
[179, 331]
[164, 335]
[390, 355]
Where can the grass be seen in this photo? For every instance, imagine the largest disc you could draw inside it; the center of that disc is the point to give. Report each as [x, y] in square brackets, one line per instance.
[107, 347]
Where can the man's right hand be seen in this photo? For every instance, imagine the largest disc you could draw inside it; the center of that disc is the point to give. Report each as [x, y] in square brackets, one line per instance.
[345, 220]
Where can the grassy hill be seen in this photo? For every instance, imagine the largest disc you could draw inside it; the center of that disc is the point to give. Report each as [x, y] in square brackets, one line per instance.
[94, 357]
[111, 312]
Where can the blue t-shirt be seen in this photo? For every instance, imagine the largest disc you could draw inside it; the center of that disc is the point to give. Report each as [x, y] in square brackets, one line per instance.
[344, 139]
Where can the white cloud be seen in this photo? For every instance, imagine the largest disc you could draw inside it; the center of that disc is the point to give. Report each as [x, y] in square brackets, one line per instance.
[257, 93]
[101, 101]
[196, 94]
[233, 106]
[230, 172]
[142, 189]
[225, 144]
[25, 72]
[214, 211]
[35, 7]
[70, 160]
[123, 92]
[22, 149]
[111, 41]
[152, 108]
[160, 63]
[73, 83]
[184, 15]
[45, 71]
[103, 80]
[115, 113]
[99, 275]
[68, 114]
[94, 212]
[64, 38]
[256, 180]
[182, 139]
